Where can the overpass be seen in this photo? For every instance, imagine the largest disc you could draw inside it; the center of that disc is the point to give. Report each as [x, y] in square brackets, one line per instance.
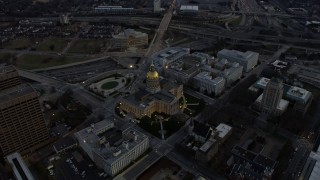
[155, 44]
[38, 77]
[263, 14]
[204, 33]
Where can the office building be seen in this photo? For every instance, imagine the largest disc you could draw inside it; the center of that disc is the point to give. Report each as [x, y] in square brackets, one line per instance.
[19, 167]
[189, 10]
[208, 139]
[299, 97]
[111, 149]
[271, 101]
[113, 10]
[130, 38]
[162, 59]
[207, 82]
[22, 125]
[247, 59]
[9, 77]
[230, 71]
[184, 68]
[251, 165]
[156, 6]
[311, 169]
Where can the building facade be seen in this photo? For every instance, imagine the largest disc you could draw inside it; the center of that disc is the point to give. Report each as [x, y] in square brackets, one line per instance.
[156, 6]
[272, 96]
[130, 38]
[22, 124]
[113, 10]
[9, 77]
[208, 83]
[247, 59]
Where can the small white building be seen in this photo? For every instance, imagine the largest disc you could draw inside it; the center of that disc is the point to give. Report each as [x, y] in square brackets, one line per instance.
[189, 9]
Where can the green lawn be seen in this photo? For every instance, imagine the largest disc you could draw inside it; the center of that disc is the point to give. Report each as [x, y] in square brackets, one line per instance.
[236, 21]
[42, 61]
[19, 43]
[54, 45]
[109, 85]
[89, 46]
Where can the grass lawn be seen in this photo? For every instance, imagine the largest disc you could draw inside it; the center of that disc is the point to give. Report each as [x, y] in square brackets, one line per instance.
[171, 125]
[89, 46]
[236, 21]
[42, 61]
[194, 105]
[19, 43]
[109, 85]
[54, 45]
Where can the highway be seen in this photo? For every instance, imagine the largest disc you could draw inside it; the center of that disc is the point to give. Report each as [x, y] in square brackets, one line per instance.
[264, 39]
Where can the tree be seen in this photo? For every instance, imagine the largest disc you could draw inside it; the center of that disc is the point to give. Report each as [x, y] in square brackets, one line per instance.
[52, 47]
[89, 107]
[100, 117]
[53, 89]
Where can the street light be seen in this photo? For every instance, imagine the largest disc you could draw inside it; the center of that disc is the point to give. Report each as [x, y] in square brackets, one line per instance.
[131, 66]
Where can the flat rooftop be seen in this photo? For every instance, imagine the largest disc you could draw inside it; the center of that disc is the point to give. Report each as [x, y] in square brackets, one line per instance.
[110, 152]
[15, 92]
[223, 130]
[6, 69]
[253, 157]
[208, 77]
[208, 144]
[237, 54]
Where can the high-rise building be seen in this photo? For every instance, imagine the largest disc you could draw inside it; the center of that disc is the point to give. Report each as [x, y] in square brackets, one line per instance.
[9, 77]
[272, 100]
[156, 6]
[22, 124]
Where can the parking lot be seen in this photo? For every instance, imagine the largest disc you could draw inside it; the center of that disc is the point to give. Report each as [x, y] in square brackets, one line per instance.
[74, 165]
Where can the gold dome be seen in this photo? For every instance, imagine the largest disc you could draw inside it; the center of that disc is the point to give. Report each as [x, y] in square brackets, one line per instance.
[152, 75]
